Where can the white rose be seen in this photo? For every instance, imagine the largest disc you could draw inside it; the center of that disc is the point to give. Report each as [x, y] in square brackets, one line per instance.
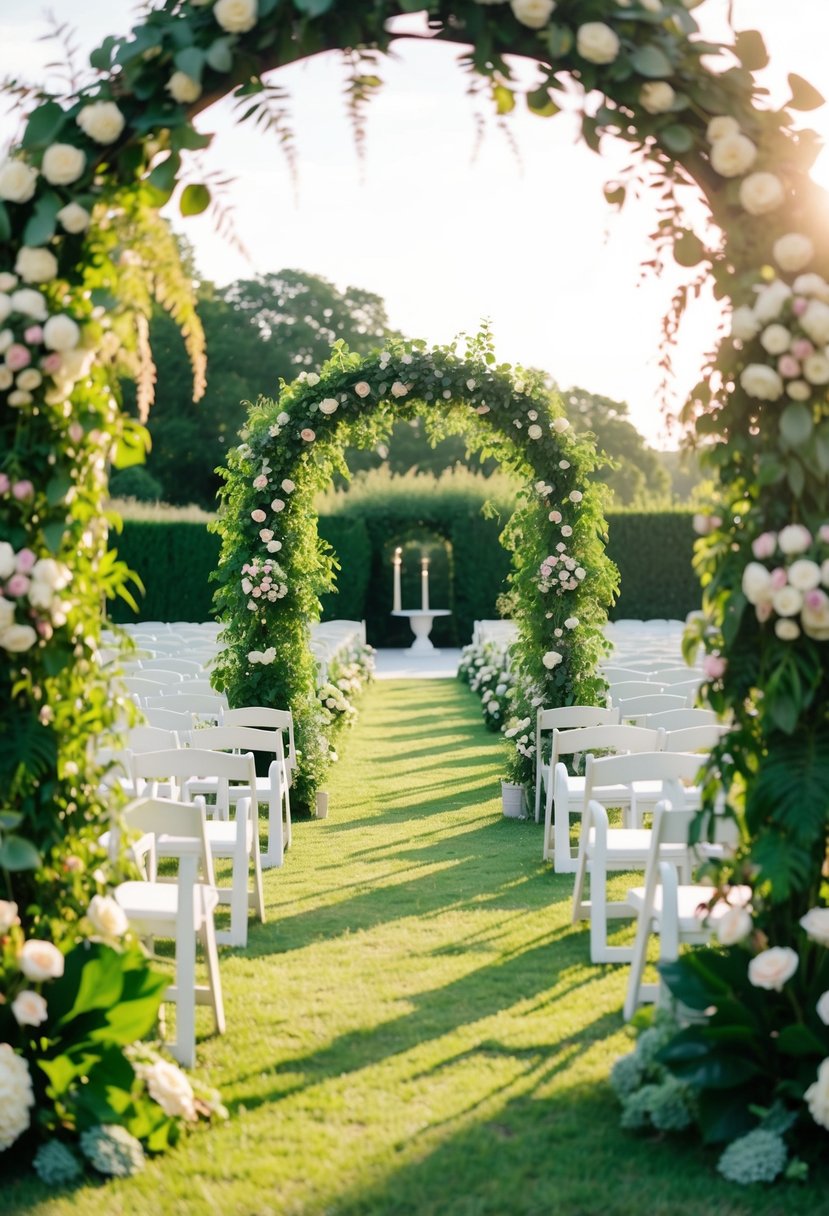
[733, 155]
[812, 285]
[720, 127]
[815, 618]
[6, 378]
[283, 419]
[822, 1008]
[17, 181]
[761, 381]
[183, 88]
[744, 324]
[399, 389]
[30, 378]
[41, 596]
[761, 193]
[362, 388]
[756, 583]
[571, 622]
[560, 425]
[101, 121]
[106, 916]
[770, 300]
[36, 265]
[787, 629]
[18, 638]
[329, 405]
[236, 16]
[533, 13]
[814, 321]
[61, 333]
[8, 281]
[168, 1086]
[772, 968]
[575, 496]
[794, 538]
[20, 397]
[804, 574]
[8, 915]
[551, 659]
[534, 431]
[816, 925]
[656, 96]
[817, 1096]
[30, 303]
[799, 390]
[787, 601]
[733, 926]
[312, 379]
[775, 339]
[16, 1096]
[8, 562]
[816, 369]
[793, 251]
[597, 42]
[75, 364]
[29, 1008]
[63, 164]
[54, 574]
[40, 961]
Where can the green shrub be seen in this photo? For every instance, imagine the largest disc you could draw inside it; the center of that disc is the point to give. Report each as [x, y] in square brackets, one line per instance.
[653, 551]
[350, 541]
[136, 483]
[174, 561]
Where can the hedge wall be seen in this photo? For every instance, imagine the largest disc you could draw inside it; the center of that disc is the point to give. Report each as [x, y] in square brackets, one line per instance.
[467, 572]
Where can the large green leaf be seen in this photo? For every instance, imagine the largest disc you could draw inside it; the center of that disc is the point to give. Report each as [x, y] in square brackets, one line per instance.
[796, 423]
[650, 61]
[750, 49]
[195, 199]
[17, 853]
[44, 125]
[804, 95]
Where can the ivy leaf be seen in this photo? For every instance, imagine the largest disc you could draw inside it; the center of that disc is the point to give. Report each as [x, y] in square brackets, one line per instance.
[17, 853]
[194, 200]
[163, 176]
[44, 124]
[219, 55]
[750, 49]
[53, 534]
[190, 61]
[796, 423]
[504, 99]
[804, 95]
[101, 57]
[651, 61]
[677, 138]
[42, 223]
[559, 40]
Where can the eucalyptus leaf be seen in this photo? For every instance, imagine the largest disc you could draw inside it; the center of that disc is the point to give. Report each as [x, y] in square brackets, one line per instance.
[750, 49]
[677, 138]
[17, 853]
[796, 423]
[313, 8]
[40, 228]
[195, 199]
[44, 125]
[219, 56]
[650, 61]
[804, 95]
[190, 60]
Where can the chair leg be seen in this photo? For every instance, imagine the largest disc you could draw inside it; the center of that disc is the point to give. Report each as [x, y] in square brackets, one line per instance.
[538, 789]
[288, 832]
[258, 891]
[214, 978]
[184, 1048]
[274, 855]
[633, 997]
[564, 861]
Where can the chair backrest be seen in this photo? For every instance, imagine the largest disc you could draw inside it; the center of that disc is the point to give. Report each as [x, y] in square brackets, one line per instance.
[189, 702]
[668, 767]
[201, 685]
[674, 675]
[649, 666]
[158, 675]
[191, 763]
[678, 719]
[151, 739]
[168, 719]
[187, 667]
[269, 719]
[612, 737]
[626, 689]
[689, 689]
[164, 818]
[240, 738]
[693, 738]
[672, 825]
[565, 717]
[638, 707]
[140, 687]
[617, 674]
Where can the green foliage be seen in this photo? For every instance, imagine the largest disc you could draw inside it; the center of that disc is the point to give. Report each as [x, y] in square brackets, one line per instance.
[174, 562]
[654, 554]
[136, 483]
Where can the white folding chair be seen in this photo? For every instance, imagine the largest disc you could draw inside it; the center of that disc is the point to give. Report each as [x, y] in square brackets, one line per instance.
[614, 674]
[200, 686]
[168, 719]
[200, 705]
[269, 719]
[185, 667]
[623, 690]
[271, 789]
[675, 675]
[678, 719]
[674, 910]
[182, 909]
[602, 849]
[693, 738]
[561, 718]
[635, 709]
[143, 689]
[236, 839]
[565, 792]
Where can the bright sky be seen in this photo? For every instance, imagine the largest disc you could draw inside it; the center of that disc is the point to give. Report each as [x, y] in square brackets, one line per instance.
[447, 238]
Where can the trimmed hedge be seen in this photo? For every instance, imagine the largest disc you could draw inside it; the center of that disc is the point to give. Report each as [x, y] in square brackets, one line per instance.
[467, 573]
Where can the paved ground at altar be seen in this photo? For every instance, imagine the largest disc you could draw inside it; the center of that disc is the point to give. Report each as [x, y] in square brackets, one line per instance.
[400, 665]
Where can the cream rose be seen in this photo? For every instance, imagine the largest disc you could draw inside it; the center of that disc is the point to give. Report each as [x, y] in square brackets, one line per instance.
[812, 285]
[63, 164]
[656, 96]
[804, 574]
[362, 388]
[733, 155]
[770, 300]
[772, 968]
[399, 389]
[183, 88]
[775, 339]
[101, 121]
[17, 181]
[793, 251]
[36, 265]
[744, 324]
[761, 193]
[814, 321]
[106, 916]
[816, 369]
[733, 926]
[794, 538]
[756, 583]
[551, 659]
[17, 639]
[29, 1008]
[762, 382]
[16, 1096]
[787, 601]
[817, 1096]
[8, 909]
[236, 16]
[721, 127]
[168, 1086]
[816, 925]
[786, 629]
[61, 333]
[815, 615]
[40, 961]
[597, 42]
[560, 425]
[30, 303]
[329, 405]
[533, 13]
[534, 431]
[8, 560]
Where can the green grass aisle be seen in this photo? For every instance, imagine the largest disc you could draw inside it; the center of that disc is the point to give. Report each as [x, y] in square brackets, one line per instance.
[415, 1031]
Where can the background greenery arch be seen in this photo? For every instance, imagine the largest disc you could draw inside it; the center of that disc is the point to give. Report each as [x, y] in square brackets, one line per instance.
[561, 583]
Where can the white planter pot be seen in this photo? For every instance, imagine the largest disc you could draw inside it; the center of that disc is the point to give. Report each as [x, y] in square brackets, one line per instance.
[513, 800]
[322, 804]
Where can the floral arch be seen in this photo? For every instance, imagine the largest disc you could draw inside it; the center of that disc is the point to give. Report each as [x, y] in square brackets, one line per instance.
[562, 582]
[81, 251]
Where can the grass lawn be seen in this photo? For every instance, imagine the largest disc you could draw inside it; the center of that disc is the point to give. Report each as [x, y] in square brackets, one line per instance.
[416, 1031]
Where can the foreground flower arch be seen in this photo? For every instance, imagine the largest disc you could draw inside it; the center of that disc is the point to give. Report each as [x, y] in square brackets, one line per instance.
[272, 566]
[80, 244]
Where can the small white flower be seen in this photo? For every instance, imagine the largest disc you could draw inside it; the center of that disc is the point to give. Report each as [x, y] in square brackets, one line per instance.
[770, 300]
[534, 431]
[816, 369]
[362, 388]
[40, 961]
[804, 574]
[533, 13]
[560, 424]
[101, 121]
[720, 127]
[761, 193]
[551, 659]
[786, 629]
[36, 265]
[744, 324]
[63, 164]
[236, 16]
[814, 321]
[772, 968]
[29, 1008]
[61, 333]
[733, 926]
[597, 42]
[183, 88]
[775, 339]
[793, 251]
[794, 538]
[17, 181]
[762, 382]
[329, 405]
[74, 218]
[656, 96]
[107, 917]
[733, 155]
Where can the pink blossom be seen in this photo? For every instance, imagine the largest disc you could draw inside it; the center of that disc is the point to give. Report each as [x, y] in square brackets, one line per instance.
[555, 517]
[307, 434]
[713, 666]
[260, 482]
[4, 483]
[764, 545]
[25, 561]
[76, 432]
[257, 591]
[764, 611]
[17, 585]
[44, 629]
[802, 348]
[22, 490]
[788, 367]
[779, 578]
[258, 516]
[34, 334]
[815, 598]
[18, 357]
[799, 305]
[51, 363]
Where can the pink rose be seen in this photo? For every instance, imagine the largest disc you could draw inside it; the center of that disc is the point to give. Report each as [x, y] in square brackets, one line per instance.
[44, 629]
[260, 482]
[51, 363]
[799, 305]
[25, 561]
[802, 348]
[34, 334]
[22, 490]
[779, 578]
[815, 599]
[307, 434]
[4, 483]
[362, 388]
[713, 666]
[788, 367]
[823, 533]
[76, 432]
[764, 545]
[17, 585]
[18, 357]
[555, 517]
[258, 516]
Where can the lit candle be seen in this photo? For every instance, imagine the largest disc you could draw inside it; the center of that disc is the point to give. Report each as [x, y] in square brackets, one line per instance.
[424, 584]
[397, 562]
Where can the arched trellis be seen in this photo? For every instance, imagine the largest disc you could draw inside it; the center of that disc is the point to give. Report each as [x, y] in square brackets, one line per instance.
[272, 567]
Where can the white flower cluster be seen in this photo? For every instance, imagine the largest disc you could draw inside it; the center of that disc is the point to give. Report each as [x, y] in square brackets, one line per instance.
[791, 324]
[16, 1096]
[486, 668]
[335, 704]
[37, 350]
[263, 581]
[520, 729]
[733, 154]
[30, 586]
[792, 590]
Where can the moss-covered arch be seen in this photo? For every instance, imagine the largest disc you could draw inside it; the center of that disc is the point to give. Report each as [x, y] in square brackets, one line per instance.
[562, 582]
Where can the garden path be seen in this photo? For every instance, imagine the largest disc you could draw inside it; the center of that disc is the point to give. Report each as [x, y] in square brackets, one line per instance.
[415, 1030]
